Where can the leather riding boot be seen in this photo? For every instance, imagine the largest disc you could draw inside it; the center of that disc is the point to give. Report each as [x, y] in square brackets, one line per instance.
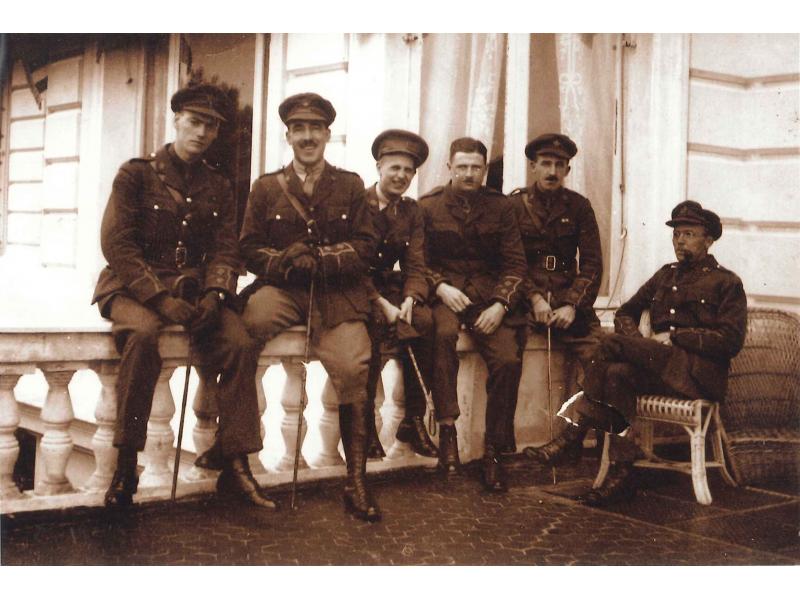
[354, 427]
[374, 448]
[212, 458]
[412, 431]
[449, 462]
[493, 476]
[619, 485]
[565, 449]
[125, 481]
[237, 480]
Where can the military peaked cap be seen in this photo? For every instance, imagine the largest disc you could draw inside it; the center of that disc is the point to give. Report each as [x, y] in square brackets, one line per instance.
[690, 212]
[394, 141]
[551, 143]
[205, 99]
[307, 107]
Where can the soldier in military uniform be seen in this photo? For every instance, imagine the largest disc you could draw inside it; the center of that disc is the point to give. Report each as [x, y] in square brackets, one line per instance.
[558, 226]
[476, 268]
[171, 219]
[698, 314]
[400, 297]
[310, 221]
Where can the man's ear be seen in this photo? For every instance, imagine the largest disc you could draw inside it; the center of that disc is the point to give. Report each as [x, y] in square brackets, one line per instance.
[569, 168]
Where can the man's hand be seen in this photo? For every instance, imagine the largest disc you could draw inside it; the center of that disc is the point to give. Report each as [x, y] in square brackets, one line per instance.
[406, 309]
[175, 310]
[208, 313]
[489, 320]
[662, 338]
[541, 309]
[453, 298]
[389, 310]
[298, 257]
[562, 317]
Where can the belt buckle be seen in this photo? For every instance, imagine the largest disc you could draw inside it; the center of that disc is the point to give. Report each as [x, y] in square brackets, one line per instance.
[180, 257]
[550, 262]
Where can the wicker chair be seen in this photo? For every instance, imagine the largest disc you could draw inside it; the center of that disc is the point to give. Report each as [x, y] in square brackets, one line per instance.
[695, 416]
[762, 407]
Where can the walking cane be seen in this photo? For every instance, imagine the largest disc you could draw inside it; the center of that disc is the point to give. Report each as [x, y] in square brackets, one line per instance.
[303, 397]
[550, 382]
[432, 425]
[179, 288]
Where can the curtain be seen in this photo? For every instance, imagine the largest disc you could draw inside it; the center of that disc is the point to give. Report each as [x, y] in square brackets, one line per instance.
[461, 81]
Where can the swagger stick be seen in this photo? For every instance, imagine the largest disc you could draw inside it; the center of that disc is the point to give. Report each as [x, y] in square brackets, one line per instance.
[550, 382]
[303, 398]
[432, 423]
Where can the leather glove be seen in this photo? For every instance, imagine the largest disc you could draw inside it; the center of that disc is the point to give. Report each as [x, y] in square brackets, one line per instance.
[175, 310]
[292, 252]
[208, 313]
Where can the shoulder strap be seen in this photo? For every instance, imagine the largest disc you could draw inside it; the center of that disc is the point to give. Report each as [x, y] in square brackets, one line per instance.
[176, 195]
[295, 202]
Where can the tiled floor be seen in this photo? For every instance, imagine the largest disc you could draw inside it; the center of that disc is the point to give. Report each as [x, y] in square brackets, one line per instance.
[428, 521]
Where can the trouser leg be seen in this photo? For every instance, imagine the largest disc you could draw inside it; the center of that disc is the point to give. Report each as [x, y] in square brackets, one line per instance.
[135, 330]
[232, 353]
[444, 359]
[502, 351]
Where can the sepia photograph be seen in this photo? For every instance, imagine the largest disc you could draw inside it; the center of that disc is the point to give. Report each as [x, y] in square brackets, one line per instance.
[399, 299]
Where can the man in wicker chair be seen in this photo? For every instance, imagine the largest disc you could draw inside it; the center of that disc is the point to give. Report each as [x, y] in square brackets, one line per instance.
[698, 313]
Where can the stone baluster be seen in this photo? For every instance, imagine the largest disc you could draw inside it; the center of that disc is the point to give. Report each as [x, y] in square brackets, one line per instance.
[9, 420]
[158, 451]
[290, 401]
[206, 412]
[56, 443]
[393, 374]
[256, 466]
[329, 428]
[105, 414]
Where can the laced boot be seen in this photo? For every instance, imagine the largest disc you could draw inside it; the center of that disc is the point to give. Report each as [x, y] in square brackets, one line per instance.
[619, 485]
[493, 475]
[237, 480]
[449, 462]
[565, 449]
[125, 481]
[374, 448]
[212, 458]
[354, 426]
[412, 431]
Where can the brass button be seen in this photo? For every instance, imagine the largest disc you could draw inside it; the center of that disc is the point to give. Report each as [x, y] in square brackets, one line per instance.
[188, 200]
[155, 206]
[672, 311]
[674, 288]
[184, 223]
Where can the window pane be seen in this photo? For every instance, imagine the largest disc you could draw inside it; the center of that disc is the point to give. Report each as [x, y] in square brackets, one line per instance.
[226, 60]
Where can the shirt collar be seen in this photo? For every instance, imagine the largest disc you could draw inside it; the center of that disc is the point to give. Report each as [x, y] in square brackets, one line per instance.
[303, 171]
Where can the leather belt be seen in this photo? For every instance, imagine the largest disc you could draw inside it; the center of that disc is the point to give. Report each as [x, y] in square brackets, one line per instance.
[550, 262]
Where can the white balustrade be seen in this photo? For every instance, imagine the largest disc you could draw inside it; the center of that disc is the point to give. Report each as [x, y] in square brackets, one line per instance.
[60, 354]
[56, 444]
[105, 454]
[9, 420]
[290, 401]
[158, 451]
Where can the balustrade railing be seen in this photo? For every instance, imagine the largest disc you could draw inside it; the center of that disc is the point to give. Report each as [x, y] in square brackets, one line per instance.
[58, 355]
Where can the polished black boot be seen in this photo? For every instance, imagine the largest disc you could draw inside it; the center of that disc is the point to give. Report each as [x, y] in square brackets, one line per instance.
[493, 476]
[374, 448]
[125, 481]
[618, 486]
[354, 427]
[212, 458]
[237, 480]
[565, 449]
[449, 462]
[412, 431]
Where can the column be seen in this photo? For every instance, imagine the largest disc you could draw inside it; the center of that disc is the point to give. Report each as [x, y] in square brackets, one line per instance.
[290, 401]
[329, 428]
[206, 412]
[9, 447]
[56, 443]
[105, 454]
[158, 451]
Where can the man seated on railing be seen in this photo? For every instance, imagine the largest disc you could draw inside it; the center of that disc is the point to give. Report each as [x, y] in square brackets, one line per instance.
[565, 262]
[698, 312]
[476, 267]
[307, 228]
[169, 235]
[401, 295]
